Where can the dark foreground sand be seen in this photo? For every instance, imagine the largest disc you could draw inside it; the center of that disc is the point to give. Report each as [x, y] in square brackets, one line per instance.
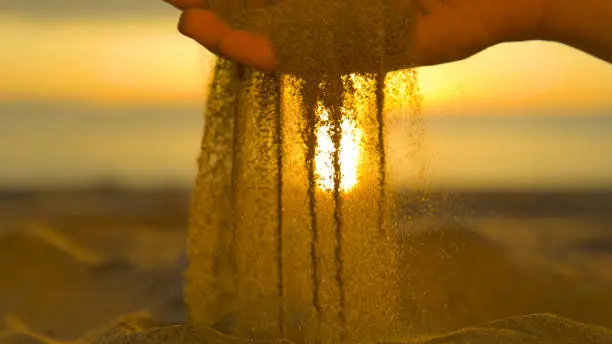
[84, 269]
[529, 329]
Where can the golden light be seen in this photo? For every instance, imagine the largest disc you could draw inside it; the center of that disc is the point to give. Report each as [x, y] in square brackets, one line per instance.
[362, 139]
[100, 61]
[349, 149]
[304, 161]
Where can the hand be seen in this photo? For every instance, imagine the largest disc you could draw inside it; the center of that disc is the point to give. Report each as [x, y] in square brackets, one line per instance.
[452, 30]
[250, 49]
[446, 30]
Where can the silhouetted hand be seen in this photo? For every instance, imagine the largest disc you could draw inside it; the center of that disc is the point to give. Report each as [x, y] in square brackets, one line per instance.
[452, 30]
[446, 30]
[216, 35]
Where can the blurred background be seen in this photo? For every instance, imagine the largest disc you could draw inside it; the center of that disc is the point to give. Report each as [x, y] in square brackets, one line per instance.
[100, 120]
[109, 92]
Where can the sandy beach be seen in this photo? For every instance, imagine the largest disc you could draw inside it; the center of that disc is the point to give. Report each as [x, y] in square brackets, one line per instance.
[106, 266]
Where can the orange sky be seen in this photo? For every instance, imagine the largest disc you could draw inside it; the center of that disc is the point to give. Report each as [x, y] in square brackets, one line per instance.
[149, 62]
[99, 61]
[144, 64]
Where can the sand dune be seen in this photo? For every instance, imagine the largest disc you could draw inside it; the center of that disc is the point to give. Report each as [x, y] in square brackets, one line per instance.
[529, 329]
[115, 282]
[53, 291]
[23, 338]
[454, 278]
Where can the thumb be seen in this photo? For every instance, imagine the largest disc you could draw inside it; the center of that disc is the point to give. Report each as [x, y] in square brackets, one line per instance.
[251, 49]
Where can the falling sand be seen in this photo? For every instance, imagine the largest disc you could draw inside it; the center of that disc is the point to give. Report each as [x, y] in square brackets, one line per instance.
[292, 222]
[332, 38]
[294, 234]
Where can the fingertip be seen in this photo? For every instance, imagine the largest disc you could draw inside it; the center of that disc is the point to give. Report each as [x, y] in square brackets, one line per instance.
[204, 27]
[428, 46]
[251, 49]
[186, 23]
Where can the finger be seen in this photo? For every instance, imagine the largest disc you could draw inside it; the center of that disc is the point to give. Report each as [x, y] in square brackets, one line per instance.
[251, 49]
[432, 45]
[185, 4]
[426, 44]
[204, 27]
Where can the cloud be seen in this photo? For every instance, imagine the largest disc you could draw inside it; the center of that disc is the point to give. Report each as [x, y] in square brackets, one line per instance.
[53, 9]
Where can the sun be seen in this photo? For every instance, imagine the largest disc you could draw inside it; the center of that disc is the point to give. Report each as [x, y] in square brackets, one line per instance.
[349, 154]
